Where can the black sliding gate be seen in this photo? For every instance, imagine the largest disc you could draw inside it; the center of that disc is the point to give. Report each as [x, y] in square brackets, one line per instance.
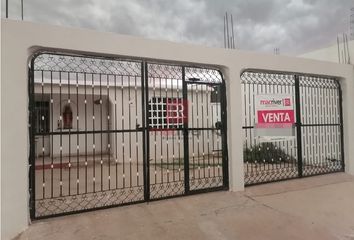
[107, 132]
[318, 144]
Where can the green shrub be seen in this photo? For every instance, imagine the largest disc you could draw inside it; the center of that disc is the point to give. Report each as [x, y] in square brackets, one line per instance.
[266, 153]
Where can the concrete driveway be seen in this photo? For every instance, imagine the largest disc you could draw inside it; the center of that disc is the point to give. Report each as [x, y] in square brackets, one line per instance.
[310, 208]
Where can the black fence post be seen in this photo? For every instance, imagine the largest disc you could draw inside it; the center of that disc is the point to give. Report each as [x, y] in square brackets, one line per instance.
[7, 8]
[341, 125]
[32, 163]
[146, 133]
[225, 159]
[298, 125]
[185, 136]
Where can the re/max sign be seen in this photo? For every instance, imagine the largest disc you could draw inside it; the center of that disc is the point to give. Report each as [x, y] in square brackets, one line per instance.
[274, 110]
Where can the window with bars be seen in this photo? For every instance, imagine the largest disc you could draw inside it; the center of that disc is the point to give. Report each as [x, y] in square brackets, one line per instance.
[215, 96]
[166, 113]
[41, 112]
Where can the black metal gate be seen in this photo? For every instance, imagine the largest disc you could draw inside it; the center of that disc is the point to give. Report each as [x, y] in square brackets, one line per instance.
[318, 144]
[107, 132]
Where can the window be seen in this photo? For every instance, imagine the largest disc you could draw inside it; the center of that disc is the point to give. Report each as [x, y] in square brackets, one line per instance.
[215, 94]
[41, 112]
[166, 113]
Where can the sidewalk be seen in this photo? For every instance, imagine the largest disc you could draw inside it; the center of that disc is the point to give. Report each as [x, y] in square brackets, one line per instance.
[309, 208]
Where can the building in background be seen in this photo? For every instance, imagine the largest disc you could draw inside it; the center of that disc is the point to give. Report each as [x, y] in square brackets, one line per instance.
[341, 53]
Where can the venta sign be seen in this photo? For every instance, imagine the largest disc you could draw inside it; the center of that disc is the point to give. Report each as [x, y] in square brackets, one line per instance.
[274, 112]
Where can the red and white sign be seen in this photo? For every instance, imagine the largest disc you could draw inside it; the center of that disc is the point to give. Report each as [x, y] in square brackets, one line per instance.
[274, 111]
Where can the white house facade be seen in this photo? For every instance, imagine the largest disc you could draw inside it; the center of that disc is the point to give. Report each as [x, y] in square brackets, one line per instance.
[158, 120]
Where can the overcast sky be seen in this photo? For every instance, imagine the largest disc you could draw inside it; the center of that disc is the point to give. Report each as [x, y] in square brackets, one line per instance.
[294, 26]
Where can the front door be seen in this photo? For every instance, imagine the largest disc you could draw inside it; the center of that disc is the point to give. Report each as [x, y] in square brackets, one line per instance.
[206, 132]
[186, 130]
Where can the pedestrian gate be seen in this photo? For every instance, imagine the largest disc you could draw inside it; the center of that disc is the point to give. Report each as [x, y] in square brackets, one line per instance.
[317, 147]
[107, 132]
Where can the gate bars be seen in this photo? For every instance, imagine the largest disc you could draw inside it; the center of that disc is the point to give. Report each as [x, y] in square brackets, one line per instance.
[318, 145]
[107, 132]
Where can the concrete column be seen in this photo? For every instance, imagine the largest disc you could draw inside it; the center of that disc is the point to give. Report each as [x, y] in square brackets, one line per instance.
[234, 129]
[347, 86]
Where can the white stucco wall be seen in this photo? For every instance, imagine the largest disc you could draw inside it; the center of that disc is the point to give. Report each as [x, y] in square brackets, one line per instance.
[53, 147]
[21, 39]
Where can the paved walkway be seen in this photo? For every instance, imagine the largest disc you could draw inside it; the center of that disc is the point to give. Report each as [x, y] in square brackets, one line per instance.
[311, 208]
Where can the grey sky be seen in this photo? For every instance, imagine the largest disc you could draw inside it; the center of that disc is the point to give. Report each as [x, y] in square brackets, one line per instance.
[294, 26]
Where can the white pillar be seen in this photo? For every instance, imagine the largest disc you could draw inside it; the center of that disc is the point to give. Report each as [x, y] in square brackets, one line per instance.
[347, 86]
[234, 129]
